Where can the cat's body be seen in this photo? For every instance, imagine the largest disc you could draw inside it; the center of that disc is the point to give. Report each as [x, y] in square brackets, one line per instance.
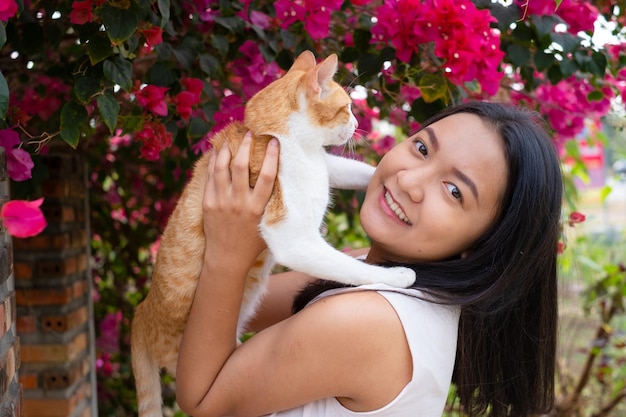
[306, 110]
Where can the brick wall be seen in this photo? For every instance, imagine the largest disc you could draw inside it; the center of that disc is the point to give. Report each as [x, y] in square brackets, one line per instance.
[9, 342]
[53, 300]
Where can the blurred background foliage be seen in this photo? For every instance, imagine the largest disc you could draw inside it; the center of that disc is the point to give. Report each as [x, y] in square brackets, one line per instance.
[138, 86]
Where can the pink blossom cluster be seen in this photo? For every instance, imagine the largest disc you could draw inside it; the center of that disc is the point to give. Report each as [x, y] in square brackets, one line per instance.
[154, 138]
[580, 15]
[42, 98]
[252, 68]
[314, 13]
[154, 99]
[566, 105]
[462, 37]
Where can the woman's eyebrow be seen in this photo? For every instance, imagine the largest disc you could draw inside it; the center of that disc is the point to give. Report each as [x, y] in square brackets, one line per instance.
[433, 137]
[467, 180]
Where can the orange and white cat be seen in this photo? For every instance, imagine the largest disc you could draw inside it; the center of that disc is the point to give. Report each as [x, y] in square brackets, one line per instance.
[305, 110]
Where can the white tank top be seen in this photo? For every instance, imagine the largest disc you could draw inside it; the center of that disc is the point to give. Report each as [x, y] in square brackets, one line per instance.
[431, 331]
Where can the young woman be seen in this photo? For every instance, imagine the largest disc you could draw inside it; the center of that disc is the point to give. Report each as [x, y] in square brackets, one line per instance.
[472, 202]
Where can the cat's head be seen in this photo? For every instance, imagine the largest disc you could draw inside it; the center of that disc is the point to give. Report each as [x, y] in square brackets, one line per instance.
[306, 105]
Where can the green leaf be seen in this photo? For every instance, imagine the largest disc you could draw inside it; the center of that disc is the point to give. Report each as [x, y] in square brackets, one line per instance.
[197, 128]
[232, 23]
[523, 32]
[542, 60]
[368, 65]
[362, 39]
[209, 64]
[85, 88]
[598, 63]
[121, 24]
[554, 74]
[73, 115]
[432, 87]
[109, 108]
[4, 97]
[220, 43]
[119, 71]
[567, 68]
[164, 9]
[421, 110]
[595, 96]
[518, 54]
[545, 23]
[557, 3]
[567, 41]
[99, 48]
[3, 35]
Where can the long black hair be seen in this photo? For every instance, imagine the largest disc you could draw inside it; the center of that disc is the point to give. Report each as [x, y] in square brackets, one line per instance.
[507, 284]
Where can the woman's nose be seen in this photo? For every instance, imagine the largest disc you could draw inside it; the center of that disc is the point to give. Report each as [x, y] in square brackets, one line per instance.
[410, 182]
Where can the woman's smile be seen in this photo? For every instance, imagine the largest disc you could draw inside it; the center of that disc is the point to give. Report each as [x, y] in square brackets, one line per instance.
[393, 209]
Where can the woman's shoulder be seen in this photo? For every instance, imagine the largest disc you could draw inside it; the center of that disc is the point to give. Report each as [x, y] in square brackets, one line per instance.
[364, 328]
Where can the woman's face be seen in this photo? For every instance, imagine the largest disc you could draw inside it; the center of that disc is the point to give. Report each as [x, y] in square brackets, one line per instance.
[435, 193]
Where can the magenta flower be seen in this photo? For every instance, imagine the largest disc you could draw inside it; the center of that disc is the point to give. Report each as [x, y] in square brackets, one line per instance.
[19, 162]
[184, 104]
[153, 35]
[81, 12]
[23, 218]
[153, 98]
[195, 86]
[8, 9]
[155, 138]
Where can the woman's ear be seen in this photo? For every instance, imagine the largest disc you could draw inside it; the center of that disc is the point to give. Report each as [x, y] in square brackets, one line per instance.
[465, 254]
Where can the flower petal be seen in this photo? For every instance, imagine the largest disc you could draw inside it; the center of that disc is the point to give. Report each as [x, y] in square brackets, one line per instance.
[23, 218]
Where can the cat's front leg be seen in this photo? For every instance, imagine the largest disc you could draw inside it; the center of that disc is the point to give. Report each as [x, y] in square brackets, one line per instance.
[348, 174]
[311, 254]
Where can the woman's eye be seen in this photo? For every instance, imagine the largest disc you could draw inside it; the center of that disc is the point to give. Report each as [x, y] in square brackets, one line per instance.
[421, 148]
[456, 193]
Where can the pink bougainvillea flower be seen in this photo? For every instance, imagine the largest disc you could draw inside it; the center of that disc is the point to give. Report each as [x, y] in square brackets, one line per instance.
[560, 247]
[8, 9]
[195, 86]
[152, 98]
[23, 218]
[19, 162]
[155, 138]
[153, 35]
[184, 103]
[81, 12]
[576, 217]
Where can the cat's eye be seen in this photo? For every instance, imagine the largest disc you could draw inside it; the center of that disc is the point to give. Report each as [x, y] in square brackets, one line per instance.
[454, 191]
[421, 148]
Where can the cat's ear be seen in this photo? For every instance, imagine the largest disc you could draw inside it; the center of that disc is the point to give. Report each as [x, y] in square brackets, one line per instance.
[304, 62]
[320, 79]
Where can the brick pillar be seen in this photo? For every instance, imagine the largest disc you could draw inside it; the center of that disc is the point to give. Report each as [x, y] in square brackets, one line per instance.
[9, 342]
[53, 296]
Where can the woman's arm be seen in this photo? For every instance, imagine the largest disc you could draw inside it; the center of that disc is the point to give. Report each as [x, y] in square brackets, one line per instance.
[232, 213]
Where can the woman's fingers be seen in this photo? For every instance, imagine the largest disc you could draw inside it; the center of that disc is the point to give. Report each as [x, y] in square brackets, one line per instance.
[267, 176]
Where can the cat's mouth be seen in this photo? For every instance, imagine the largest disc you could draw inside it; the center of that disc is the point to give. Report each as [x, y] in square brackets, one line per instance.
[397, 210]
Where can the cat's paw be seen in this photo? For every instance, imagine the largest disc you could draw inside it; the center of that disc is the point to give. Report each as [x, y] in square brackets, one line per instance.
[400, 277]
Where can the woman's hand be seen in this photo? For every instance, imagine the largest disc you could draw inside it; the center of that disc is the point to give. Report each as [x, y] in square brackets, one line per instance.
[232, 209]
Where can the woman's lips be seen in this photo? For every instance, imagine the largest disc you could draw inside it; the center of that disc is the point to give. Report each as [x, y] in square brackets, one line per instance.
[393, 209]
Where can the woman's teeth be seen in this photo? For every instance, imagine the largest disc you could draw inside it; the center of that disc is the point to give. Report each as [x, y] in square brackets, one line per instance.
[396, 208]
